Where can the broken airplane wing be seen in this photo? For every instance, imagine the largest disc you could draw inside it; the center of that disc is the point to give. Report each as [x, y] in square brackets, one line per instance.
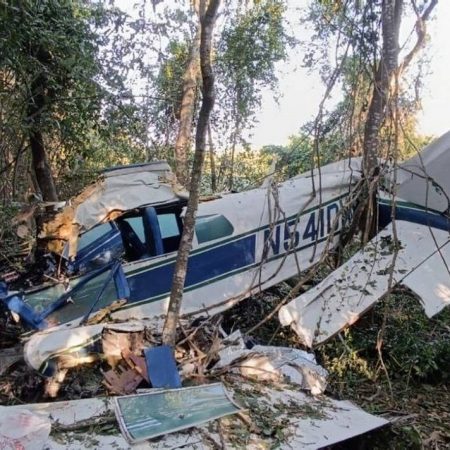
[419, 260]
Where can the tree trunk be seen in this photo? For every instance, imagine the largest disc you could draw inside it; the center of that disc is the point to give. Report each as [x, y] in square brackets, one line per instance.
[190, 82]
[236, 133]
[233, 151]
[179, 276]
[41, 167]
[391, 13]
[390, 22]
[212, 161]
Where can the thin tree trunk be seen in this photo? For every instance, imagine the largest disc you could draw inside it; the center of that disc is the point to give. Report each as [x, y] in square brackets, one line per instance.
[190, 82]
[40, 163]
[391, 13]
[41, 168]
[236, 132]
[179, 276]
[212, 161]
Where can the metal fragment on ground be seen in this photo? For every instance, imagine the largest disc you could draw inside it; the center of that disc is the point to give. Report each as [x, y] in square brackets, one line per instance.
[66, 415]
[315, 423]
[162, 367]
[120, 338]
[308, 422]
[270, 363]
[153, 414]
[137, 363]
[75, 345]
[122, 380]
[23, 430]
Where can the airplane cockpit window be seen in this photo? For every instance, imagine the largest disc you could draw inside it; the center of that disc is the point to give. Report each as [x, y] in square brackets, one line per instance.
[150, 233]
[133, 236]
[209, 228]
[138, 227]
[92, 235]
[168, 225]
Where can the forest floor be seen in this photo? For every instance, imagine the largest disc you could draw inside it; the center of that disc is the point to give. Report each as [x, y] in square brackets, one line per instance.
[410, 387]
[413, 391]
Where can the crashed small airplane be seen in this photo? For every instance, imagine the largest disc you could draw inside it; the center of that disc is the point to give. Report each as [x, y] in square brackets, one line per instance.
[120, 238]
[243, 242]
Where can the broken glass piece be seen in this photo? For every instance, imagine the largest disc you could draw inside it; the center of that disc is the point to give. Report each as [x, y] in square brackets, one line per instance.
[153, 414]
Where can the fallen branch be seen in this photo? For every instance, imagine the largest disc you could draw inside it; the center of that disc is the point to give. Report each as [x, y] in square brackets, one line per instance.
[105, 419]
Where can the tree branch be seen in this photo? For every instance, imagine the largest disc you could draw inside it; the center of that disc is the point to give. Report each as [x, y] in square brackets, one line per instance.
[421, 32]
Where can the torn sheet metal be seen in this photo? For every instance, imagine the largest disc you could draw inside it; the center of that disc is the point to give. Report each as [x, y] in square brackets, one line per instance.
[146, 416]
[122, 380]
[70, 413]
[341, 298]
[312, 423]
[21, 429]
[121, 340]
[118, 190]
[269, 363]
[423, 179]
[315, 423]
[44, 350]
[162, 367]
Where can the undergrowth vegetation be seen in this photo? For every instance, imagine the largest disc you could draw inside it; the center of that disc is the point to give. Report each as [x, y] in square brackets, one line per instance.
[414, 347]
[415, 350]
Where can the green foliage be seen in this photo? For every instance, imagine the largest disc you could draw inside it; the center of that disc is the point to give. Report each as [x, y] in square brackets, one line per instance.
[346, 47]
[251, 168]
[299, 156]
[10, 243]
[165, 109]
[249, 47]
[248, 51]
[414, 347]
[294, 158]
[56, 50]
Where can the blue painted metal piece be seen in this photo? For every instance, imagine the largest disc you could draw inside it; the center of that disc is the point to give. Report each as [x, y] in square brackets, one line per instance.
[16, 303]
[162, 367]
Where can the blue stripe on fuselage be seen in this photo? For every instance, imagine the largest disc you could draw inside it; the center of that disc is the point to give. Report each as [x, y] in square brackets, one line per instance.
[413, 214]
[202, 267]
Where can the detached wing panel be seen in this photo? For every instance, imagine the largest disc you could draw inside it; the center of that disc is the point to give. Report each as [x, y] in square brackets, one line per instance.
[340, 299]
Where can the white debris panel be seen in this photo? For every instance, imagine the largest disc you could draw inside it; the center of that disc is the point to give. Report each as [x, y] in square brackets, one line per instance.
[270, 363]
[320, 422]
[311, 423]
[421, 263]
[45, 347]
[67, 414]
